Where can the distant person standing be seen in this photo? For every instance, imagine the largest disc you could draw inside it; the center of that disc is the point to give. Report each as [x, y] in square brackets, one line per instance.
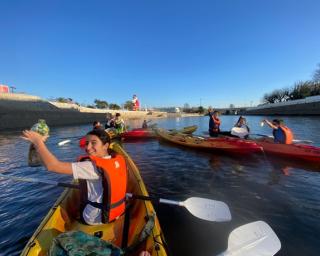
[135, 103]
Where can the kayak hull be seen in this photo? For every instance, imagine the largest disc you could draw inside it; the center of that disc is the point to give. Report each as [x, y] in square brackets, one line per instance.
[148, 133]
[296, 151]
[139, 133]
[225, 144]
[64, 216]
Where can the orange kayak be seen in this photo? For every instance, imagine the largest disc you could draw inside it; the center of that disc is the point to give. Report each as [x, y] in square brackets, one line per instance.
[226, 144]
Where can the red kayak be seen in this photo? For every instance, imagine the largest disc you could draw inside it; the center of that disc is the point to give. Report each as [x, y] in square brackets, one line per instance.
[139, 133]
[295, 151]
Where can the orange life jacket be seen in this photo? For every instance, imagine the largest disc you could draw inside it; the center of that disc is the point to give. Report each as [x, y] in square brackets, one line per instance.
[287, 133]
[114, 181]
[217, 122]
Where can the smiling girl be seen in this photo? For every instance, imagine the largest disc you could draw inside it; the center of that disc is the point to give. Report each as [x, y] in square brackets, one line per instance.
[102, 176]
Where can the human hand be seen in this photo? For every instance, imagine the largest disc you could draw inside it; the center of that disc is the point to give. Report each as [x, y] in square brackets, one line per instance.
[144, 253]
[33, 137]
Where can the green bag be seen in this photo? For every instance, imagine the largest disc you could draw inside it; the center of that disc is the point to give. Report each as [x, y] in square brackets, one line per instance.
[78, 243]
[41, 127]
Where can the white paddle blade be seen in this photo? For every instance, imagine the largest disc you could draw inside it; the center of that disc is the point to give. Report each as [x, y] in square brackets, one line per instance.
[253, 239]
[208, 209]
[63, 142]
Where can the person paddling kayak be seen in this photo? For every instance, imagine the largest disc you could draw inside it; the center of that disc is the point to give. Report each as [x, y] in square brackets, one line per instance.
[214, 122]
[102, 176]
[281, 133]
[241, 128]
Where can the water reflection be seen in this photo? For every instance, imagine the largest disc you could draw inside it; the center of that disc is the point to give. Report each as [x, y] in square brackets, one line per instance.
[284, 193]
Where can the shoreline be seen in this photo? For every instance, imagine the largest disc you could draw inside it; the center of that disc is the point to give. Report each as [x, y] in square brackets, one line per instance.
[21, 111]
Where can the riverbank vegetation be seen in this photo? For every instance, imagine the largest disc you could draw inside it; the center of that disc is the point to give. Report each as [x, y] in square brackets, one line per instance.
[299, 90]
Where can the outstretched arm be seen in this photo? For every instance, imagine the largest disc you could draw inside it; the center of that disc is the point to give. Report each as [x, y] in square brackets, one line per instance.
[270, 124]
[49, 160]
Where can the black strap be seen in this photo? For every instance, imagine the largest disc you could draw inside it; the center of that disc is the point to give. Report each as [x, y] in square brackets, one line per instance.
[106, 207]
[126, 226]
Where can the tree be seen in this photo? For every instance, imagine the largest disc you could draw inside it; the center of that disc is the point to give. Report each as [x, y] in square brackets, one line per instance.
[269, 98]
[186, 107]
[114, 106]
[316, 74]
[232, 106]
[200, 110]
[63, 100]
[315, 89]
[277, 96]
[128, 105]
[101, 103]
[301, 90]
[281, 95]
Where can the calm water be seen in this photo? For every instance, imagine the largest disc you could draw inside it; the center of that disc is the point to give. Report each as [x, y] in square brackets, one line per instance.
[284, 193]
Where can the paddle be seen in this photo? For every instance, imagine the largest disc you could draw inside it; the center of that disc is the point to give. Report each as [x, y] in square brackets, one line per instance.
[61, 143]
[202, 208]
[253, 239]
[271, 136]
[41, 181]
[68, 140]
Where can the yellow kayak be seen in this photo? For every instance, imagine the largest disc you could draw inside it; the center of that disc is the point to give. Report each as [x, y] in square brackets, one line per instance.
[64, 217]
[185, 130]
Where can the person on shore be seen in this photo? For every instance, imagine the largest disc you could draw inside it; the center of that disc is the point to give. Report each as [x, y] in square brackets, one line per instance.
[102, 177]
[214, 122]
[119, 124]
[145, 124]
[135, 103]
[241, 128]
[281, 133]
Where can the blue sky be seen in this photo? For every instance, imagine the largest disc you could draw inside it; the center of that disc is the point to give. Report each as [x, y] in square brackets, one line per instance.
[167, 52]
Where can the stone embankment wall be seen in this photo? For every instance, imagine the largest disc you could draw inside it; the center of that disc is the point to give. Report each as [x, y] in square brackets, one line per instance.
[307, 106]
[20, 111]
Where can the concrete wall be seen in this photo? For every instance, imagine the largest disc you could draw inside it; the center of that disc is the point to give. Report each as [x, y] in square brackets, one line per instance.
[312, 108]
[19, 111]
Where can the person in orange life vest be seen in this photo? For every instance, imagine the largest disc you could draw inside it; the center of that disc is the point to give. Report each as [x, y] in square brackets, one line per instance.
[98, 173]
[135, 102]
[214, 123]
[281, 133]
